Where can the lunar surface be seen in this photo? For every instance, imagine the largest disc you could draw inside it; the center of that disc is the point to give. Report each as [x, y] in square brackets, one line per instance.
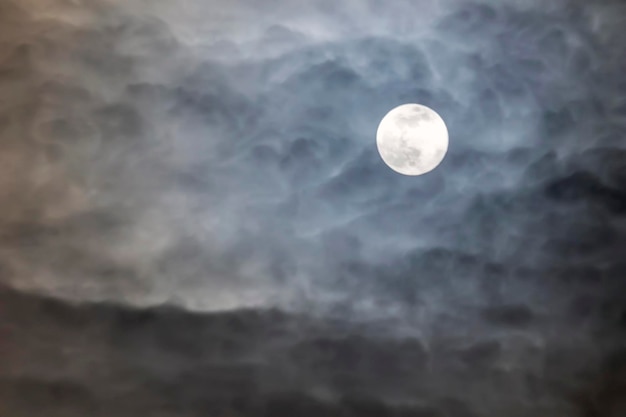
[412, 139]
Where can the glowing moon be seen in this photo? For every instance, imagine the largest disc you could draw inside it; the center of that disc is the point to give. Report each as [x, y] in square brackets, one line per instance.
[412, 139]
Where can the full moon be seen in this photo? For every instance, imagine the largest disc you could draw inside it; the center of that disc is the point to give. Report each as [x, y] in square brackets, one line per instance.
[412, 139]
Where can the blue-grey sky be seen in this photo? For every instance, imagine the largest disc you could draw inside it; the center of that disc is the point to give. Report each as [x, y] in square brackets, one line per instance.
[197, 160]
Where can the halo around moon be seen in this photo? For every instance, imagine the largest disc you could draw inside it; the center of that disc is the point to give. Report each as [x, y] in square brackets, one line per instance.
[412, 139]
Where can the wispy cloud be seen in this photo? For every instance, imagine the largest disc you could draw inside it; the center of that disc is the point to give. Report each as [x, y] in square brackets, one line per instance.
[221, 156]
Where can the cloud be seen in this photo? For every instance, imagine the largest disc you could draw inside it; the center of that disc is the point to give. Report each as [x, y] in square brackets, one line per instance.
[221, 157]
[111, 359]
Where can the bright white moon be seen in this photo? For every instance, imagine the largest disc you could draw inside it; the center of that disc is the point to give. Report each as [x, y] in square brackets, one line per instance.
[412, 139]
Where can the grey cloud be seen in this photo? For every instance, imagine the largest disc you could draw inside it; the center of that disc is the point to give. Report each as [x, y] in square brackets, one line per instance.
[213, 157]
[105, 359]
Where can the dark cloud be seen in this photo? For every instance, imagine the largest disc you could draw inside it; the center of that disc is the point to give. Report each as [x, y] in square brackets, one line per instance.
[157, 160]
[61, 359]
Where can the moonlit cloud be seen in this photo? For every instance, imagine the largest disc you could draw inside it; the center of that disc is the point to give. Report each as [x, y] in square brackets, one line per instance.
[210, 169]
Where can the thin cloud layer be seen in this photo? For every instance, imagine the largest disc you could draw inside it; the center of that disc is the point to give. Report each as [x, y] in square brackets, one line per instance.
[222, 157]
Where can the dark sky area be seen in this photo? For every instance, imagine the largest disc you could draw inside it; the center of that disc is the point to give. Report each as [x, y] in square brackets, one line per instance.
[195, 221]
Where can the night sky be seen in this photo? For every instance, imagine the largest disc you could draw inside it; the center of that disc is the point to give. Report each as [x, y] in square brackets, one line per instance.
[195, 220]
